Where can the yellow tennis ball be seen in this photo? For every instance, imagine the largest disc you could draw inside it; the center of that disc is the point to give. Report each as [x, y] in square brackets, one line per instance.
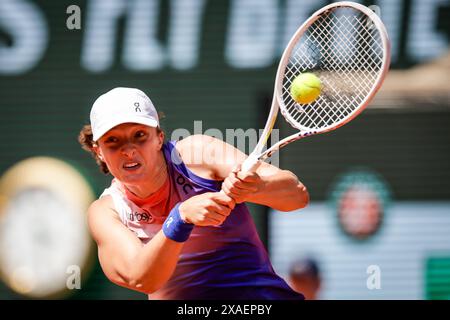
[305, 88]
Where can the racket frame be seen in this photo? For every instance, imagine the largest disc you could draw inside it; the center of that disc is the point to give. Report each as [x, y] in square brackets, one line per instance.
[253, 161]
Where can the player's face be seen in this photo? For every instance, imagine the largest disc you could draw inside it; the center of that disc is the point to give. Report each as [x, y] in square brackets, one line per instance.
[131, 152]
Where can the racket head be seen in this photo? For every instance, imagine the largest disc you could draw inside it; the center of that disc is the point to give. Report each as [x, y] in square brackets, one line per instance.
[346, 45]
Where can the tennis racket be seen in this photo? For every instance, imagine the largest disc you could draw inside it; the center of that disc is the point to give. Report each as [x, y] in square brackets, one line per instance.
[346, 46]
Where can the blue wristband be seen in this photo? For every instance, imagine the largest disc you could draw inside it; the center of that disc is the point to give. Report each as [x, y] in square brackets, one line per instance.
[175, 228]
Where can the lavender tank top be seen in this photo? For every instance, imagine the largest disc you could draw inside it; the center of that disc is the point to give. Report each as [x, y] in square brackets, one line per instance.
[225, 262]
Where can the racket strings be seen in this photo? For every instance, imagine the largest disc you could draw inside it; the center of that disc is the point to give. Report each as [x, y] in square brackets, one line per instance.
[343, 48]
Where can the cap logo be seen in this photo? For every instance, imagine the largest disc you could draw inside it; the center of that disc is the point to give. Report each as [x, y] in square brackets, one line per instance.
[137, 108]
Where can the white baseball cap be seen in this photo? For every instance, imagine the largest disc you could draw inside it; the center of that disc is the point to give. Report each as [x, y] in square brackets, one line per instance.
[121, 105]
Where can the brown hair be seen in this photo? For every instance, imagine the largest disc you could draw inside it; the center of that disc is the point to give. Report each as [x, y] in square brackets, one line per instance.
[85, 138]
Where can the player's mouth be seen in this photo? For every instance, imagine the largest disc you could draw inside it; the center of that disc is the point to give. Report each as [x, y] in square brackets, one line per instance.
[131, 166]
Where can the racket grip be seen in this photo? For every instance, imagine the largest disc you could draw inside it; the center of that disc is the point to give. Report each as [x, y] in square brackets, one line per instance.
[250, 164]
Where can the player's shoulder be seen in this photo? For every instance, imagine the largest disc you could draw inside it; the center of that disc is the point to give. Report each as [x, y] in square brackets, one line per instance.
[101, 208]
[197, 152]
[196, 141]
[101, 217]
[197, 144]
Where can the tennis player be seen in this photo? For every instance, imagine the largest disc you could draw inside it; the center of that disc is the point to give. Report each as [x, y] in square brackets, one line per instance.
[164, 227]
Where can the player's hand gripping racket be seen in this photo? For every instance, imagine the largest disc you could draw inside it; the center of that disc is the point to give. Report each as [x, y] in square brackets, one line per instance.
[346, 46]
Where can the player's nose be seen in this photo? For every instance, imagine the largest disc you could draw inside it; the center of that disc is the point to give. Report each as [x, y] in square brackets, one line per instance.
[128, 151]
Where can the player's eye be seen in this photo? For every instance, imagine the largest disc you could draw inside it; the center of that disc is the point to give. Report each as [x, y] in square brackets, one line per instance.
[140, 134]
[111, 139]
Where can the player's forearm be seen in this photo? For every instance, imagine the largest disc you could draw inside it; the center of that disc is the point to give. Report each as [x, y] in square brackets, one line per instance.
[282, 191]
[154, 264]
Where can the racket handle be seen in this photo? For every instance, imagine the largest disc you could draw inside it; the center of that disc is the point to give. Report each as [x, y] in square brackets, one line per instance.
[250, 164]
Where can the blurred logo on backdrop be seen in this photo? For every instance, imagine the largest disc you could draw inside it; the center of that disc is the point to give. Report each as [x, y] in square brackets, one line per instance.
[44, 239]
[253, 32]
[360, 198]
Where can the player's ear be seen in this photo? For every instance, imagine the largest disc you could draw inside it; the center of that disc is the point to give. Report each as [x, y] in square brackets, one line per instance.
[97, 150]
[160, 138]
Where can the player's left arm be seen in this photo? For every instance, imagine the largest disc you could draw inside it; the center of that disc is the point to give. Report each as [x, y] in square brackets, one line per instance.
[269, 185]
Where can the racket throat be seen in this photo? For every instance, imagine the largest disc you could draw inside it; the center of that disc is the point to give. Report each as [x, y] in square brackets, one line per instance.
[251, 164]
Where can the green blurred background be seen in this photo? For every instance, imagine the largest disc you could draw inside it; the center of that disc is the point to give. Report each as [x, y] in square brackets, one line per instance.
[215, 61]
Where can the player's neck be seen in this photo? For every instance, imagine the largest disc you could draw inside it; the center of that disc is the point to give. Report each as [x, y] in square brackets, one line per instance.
[154, 183]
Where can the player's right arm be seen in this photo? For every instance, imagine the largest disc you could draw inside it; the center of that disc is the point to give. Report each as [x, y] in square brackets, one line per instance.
[146, 268]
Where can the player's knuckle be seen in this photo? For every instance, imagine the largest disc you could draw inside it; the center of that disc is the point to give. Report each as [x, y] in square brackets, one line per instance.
[209, 203]
[209, 195]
